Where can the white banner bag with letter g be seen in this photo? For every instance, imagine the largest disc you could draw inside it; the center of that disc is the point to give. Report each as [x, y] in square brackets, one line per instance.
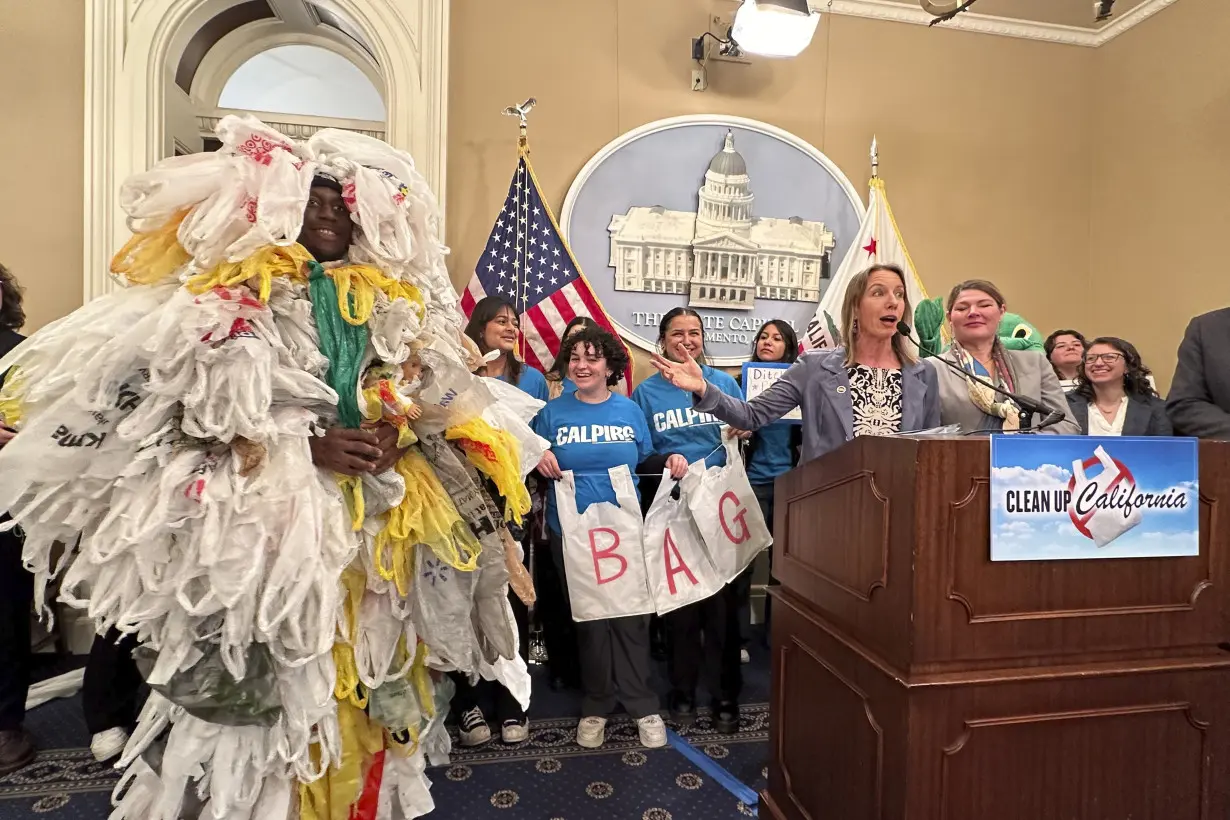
[604, 558]
[726, 513]
[676, 560]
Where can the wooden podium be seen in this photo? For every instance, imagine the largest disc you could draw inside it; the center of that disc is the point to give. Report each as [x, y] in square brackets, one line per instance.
[913, 679]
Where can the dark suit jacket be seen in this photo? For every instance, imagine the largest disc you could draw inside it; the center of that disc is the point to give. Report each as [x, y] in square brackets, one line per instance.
[1145, 416]
[1199, 399]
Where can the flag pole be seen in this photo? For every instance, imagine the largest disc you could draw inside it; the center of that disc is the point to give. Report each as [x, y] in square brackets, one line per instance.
[875, 158]
[520, 298]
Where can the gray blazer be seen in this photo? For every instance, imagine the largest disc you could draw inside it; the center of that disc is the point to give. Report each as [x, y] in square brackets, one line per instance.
[1146, 416]
[818, 384]
[1033, 377]
[1199, 398]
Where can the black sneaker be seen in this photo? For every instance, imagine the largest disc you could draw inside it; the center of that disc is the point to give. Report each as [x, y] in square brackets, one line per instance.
[682, 709]
[726, 717]
[474, 728]
[16, 750]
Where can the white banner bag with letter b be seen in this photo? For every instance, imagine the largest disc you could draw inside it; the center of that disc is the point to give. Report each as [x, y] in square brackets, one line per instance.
[726, 513]
[676, 561]
[604, 558]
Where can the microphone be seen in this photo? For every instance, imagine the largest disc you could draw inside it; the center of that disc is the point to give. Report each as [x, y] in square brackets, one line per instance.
[1028, 406]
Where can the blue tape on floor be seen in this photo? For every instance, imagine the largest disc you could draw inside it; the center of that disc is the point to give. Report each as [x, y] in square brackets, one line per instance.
[710, 767]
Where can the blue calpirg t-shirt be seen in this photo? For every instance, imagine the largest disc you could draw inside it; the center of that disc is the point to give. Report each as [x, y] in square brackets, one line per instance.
[589, 439]
[569, 386]
[532, 382]
[676, 426]
[773, 454]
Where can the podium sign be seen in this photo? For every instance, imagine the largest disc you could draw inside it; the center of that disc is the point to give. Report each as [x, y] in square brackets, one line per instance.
[1072, 497]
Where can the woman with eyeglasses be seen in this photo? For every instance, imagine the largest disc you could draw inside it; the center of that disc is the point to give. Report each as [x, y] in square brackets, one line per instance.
[1114, 395]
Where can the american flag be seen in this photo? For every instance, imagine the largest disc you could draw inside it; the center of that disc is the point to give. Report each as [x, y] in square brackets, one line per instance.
[527, 262]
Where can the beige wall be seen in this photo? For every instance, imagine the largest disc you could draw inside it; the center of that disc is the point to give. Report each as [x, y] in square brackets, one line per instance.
[1161, 183]
[42, 63]
[984, 141]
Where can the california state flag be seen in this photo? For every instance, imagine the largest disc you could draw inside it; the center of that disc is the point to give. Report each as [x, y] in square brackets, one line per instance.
[878, 243]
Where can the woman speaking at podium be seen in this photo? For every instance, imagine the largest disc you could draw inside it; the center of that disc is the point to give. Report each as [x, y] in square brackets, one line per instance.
[974, 310]
[872, 385]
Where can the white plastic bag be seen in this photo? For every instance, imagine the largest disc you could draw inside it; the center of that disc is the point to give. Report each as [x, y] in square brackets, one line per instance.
[512, 410]
[726, 513]
[676, 562]
[1104, 526]
[604, 560]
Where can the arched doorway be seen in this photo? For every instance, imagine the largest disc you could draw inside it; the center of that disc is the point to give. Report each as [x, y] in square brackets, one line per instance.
[145, 59]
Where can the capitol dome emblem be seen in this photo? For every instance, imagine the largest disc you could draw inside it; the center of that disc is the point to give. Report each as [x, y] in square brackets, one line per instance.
[734, 218]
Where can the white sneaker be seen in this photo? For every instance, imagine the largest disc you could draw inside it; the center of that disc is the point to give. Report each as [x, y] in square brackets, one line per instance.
[652, 731]
[108, 744]
[591, 732]
[744, 657]
[474, 728]
[515, 731]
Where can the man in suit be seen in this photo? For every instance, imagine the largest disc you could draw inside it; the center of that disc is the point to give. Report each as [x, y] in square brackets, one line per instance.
[1199, 400]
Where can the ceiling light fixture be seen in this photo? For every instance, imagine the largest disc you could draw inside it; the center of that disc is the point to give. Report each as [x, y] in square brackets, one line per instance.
[774, 28]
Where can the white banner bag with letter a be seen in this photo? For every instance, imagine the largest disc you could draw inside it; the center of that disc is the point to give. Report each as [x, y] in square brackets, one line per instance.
[604, 557]
[726, 513]
[676, 561]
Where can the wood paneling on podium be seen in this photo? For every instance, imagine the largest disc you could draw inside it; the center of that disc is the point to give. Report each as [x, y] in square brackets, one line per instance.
[916, 680]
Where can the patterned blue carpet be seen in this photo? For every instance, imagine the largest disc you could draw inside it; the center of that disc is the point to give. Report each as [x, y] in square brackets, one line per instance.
[548, 777]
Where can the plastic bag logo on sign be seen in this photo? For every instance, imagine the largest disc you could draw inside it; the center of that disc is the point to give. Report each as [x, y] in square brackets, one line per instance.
[1092, 508]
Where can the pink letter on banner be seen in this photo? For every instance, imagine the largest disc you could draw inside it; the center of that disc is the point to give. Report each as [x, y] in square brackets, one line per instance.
[608, 553]
[669, 549]
[739, 518]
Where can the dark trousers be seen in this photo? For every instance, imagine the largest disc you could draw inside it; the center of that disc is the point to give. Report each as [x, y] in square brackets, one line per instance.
[764, 495]
[614, 659]
[16, 602]
[111, 693]
[704, 643]
[490, 695]
[552, 614]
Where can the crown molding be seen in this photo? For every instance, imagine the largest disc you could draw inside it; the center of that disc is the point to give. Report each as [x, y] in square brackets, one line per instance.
[1131, 19]
[1002, 26]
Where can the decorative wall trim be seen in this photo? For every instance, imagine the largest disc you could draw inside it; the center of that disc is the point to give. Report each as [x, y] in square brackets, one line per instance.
[245, 42]
[299, 128]
[1002, 26]
[127, 43]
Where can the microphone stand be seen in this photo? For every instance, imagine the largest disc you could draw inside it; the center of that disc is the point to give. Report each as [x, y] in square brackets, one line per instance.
[1027, 406]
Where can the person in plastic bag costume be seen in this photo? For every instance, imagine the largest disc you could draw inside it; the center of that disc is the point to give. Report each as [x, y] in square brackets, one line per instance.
[273, 465]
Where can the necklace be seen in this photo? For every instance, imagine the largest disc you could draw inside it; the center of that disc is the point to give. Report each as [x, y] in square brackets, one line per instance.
[1109, 414]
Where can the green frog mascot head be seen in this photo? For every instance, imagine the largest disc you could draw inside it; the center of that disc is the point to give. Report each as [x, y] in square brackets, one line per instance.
[1014, 331]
